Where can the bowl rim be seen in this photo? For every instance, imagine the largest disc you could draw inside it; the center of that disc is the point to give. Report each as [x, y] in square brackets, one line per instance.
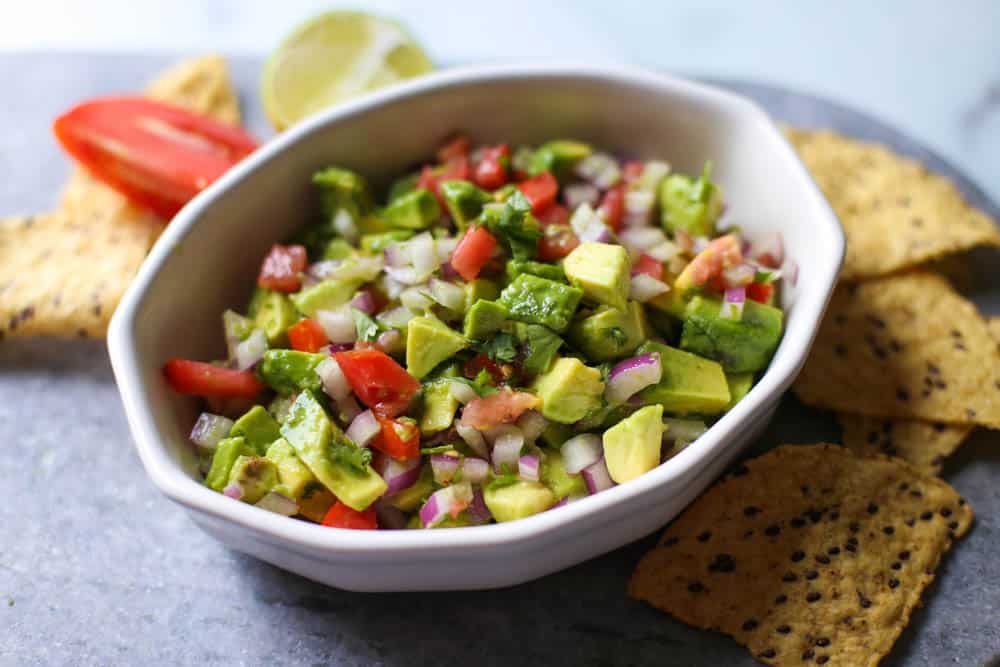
[177, 485]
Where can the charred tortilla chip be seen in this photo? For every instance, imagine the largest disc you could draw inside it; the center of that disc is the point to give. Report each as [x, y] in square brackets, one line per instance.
[807, 555]
[925, 445]
[904, 346]
[895, 212]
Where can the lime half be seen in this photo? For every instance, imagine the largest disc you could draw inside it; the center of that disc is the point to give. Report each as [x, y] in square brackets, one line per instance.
[335, 56]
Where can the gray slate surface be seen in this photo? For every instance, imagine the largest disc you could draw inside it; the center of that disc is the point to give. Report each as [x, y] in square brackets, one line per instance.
[97, 568]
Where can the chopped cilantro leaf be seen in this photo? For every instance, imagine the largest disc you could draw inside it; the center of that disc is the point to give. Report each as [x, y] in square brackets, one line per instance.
[440, 449]
[366, 328]
[618, 335]
[500, 348]
[515, 225]
[506, 477]
[351, 456]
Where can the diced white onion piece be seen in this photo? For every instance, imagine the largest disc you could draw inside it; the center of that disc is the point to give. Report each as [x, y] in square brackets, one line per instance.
[445, 246]
[527, 467]
[645, 287]
[251, 349]
[423, 255]
[395, 255]
[741, 274]
[356, 267]
[396, 318]
[581, 451]
[475, 470]
[474, 439]
[732, 303]
[338, 324]
[278, 503]
[597, 477]
[444, 467]
[687, 430]
[639, 203]
[653, 172]
[699, 243]
[463, 393]
[631, 376]
[392, 287]
[210, 429]
[664, 252]
[406, 275]
[588, 225]
[390, 342]
[334, 381]
[769, 250]
[348, 409]
[600, 169]
[577, 194]
[445, 502]
[532, 424]
[507, 447]
[343, 222]
[447, 294]
[363, 428]
[416, 298]
[642, 238]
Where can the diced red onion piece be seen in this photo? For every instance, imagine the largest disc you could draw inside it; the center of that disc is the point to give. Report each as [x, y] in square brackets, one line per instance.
[396, 318]
[444, 467]
[576, 194]
[209, 430]
[644, 287]
[532, 424]
[600, 169]
[687, 430]
[364, 302]
[588, 225]
[447, 294]
[343, 222]
[449, 501]
[581, 451]
[348, 409]
[388, 516]
[398, 475]
[251, 350]
[390, 341]
[394, 255]
[732, 303]
[507, 447]
[462, 393]
[740, 275]
[631, 376]
[448, 272]
[478, 511]
[474, 439]
[790, 270]
[278, 503]
[338, 324]
[597, 477]
[233, 490]
[475, 470]
[641, 239]
[527, 467]
[363, 429]
[334, 381]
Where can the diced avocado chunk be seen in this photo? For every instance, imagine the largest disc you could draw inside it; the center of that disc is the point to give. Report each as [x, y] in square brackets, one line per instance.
[273, 312]
[226, 453]
[325, 295]
[414, 496]
[741, 346]
[672, 303]
[290, 371]
[372, 223]
[430, 341]
[559, 156]
[464, 201]
[610, 333]
[666, 325]
[690, 384]
[279, 407]
[483, 319]
[337, 249]
[632, 446]
[541, 301]
[480, 288]
[518, 500]
[294, 477]
[601, 270]
[374, 244]
[330, 455]
[403, 185]
[255, 476]
[555, 434]
[516, 267]
[569, 390]
[315, 502]
[460, 521]
[439, 407]
[236, 327]
[553, 475]
[414, 210]
[540, 345]
[257, 427]
[739, 386]
[342, 189]
[690, 204]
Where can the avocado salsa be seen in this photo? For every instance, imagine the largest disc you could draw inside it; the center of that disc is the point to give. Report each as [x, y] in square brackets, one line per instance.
[502, 333]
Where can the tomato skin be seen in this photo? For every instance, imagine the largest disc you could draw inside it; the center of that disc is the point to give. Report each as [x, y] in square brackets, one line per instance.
[378, 381]
[341, 516]
[281, 268]
[631, 171]
[760, 292]
[612, 207]
[455, 169]
[557, 214]
[198, 378]
[557, 242]
[473, 252]
[482, 362]
[159, 156]
[307, 336]
[456, 147]
[400, 440]
[540, 190]
[491, 173]
[503, 407]
[648, 265]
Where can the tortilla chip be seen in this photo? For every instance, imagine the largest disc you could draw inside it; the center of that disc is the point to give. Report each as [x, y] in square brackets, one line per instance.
[925, 445]
[807, 554]
[994, 326]
[896, 213]
[904, 346]
[63, 274]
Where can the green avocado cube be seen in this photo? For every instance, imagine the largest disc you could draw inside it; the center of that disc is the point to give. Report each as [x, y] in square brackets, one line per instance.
[342, 189]
[516, 267]
[480, 288]
[226, 453]
[415, 210]
[293, 475]
[610, 333]
[403, 186]
[272, 312]
[483, 319]
[601, 270]
[325, 295]
[632, 446]
[739, 386]
[541, 301]
[569, 390]
[315, 502]
[257, 427]
[316, 440]
[517, 500]
[552, 474]
[439, 407]
[279, 406]
[430, 341]
[555, 434]
[559, 156]
[741, 346]
[540, 344]
[255, 476]
[464, 201]
[337, 249]
[415, 495]
[374, 244]
[672, 303]
[290, 371]
[690, 384]
[692, 205]
[236, 326]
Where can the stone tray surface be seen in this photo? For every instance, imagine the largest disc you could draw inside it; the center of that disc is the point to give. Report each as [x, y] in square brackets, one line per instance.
[96, 567]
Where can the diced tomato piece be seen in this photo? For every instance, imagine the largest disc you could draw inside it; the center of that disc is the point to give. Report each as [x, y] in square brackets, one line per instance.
[282, 267]
[399, 439]
[760, 292]
[541, 191]
[648, 265]
[721, 253]
[612, 207]
[631, 171]
[456, 169]
[557, 242]
[473, 251]
[491, 172]
[378, 381]
[342, 516]
[158, 155]
[198, 378]
[458, 146]
[482, 362]
[503, 407]
[307, 336]
[557, 214]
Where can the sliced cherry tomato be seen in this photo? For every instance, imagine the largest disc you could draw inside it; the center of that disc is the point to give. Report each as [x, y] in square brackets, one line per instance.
[612, 207]
[760, 292]
[399, 439]
[456, 169]
[282, 267]
[307, 336]
[472, 252]
[631, 171]
[557, 214]
[341, 516]
[648, 265]
[502, 407]
[541, 191]
[378, 381]
[157, 155]
[557, 242]
[491, 172]
[482, 362]
[456, 147]
[203, 379]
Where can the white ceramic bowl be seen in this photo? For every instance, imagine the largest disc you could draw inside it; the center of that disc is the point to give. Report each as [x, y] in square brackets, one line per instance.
[207, 260]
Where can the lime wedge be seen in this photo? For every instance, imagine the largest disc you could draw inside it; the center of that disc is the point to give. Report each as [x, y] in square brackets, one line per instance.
[335, 56]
